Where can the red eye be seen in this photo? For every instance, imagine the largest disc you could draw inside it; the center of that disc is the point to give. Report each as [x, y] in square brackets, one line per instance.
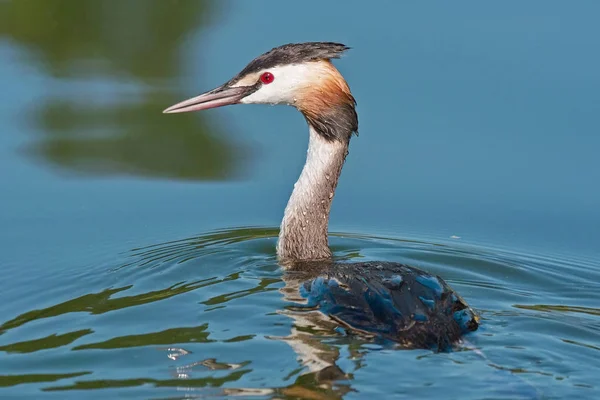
[267, 78]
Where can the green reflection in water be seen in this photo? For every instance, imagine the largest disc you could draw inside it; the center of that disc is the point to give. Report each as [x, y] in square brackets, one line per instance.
[12, 380]
[114, 62]
[198, 334]
[241, 338]
[48, 342]
[99, 303]
[261, 287]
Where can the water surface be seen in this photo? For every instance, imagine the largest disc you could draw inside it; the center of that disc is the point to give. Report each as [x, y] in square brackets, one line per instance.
[138, 249]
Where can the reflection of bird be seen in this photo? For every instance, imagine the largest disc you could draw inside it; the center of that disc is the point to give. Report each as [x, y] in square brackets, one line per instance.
[383, 299]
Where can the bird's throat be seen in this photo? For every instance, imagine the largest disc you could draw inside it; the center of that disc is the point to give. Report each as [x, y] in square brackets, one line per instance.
[303, 235]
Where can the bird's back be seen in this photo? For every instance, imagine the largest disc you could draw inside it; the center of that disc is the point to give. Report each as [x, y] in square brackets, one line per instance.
[392, 301]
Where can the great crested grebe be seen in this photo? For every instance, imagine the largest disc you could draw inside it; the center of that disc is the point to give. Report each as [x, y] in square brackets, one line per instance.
[382, 299]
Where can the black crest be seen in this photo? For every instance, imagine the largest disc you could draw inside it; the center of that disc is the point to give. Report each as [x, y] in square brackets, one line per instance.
[295, 53]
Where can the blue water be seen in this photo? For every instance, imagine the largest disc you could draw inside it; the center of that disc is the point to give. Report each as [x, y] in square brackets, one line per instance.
[137, 248]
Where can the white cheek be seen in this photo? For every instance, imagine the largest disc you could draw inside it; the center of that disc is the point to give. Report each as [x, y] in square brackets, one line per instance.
[270, 94]
[288, 80]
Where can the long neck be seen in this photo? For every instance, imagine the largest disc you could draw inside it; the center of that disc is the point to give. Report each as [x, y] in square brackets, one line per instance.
[303, 234]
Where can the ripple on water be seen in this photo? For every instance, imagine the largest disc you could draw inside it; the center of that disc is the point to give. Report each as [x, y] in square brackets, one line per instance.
[214, 315]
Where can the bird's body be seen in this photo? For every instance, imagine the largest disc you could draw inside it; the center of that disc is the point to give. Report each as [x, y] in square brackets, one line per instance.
[389, 300]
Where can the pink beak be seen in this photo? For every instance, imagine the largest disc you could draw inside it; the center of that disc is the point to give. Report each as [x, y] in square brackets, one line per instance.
[219, 97]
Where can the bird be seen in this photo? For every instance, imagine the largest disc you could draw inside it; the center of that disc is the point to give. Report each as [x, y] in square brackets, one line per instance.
[384, 300]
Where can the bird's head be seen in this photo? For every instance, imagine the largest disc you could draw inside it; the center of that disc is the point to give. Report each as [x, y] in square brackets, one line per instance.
[300, 75]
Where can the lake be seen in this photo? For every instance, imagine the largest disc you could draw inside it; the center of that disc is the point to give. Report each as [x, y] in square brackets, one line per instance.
[138, 249]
